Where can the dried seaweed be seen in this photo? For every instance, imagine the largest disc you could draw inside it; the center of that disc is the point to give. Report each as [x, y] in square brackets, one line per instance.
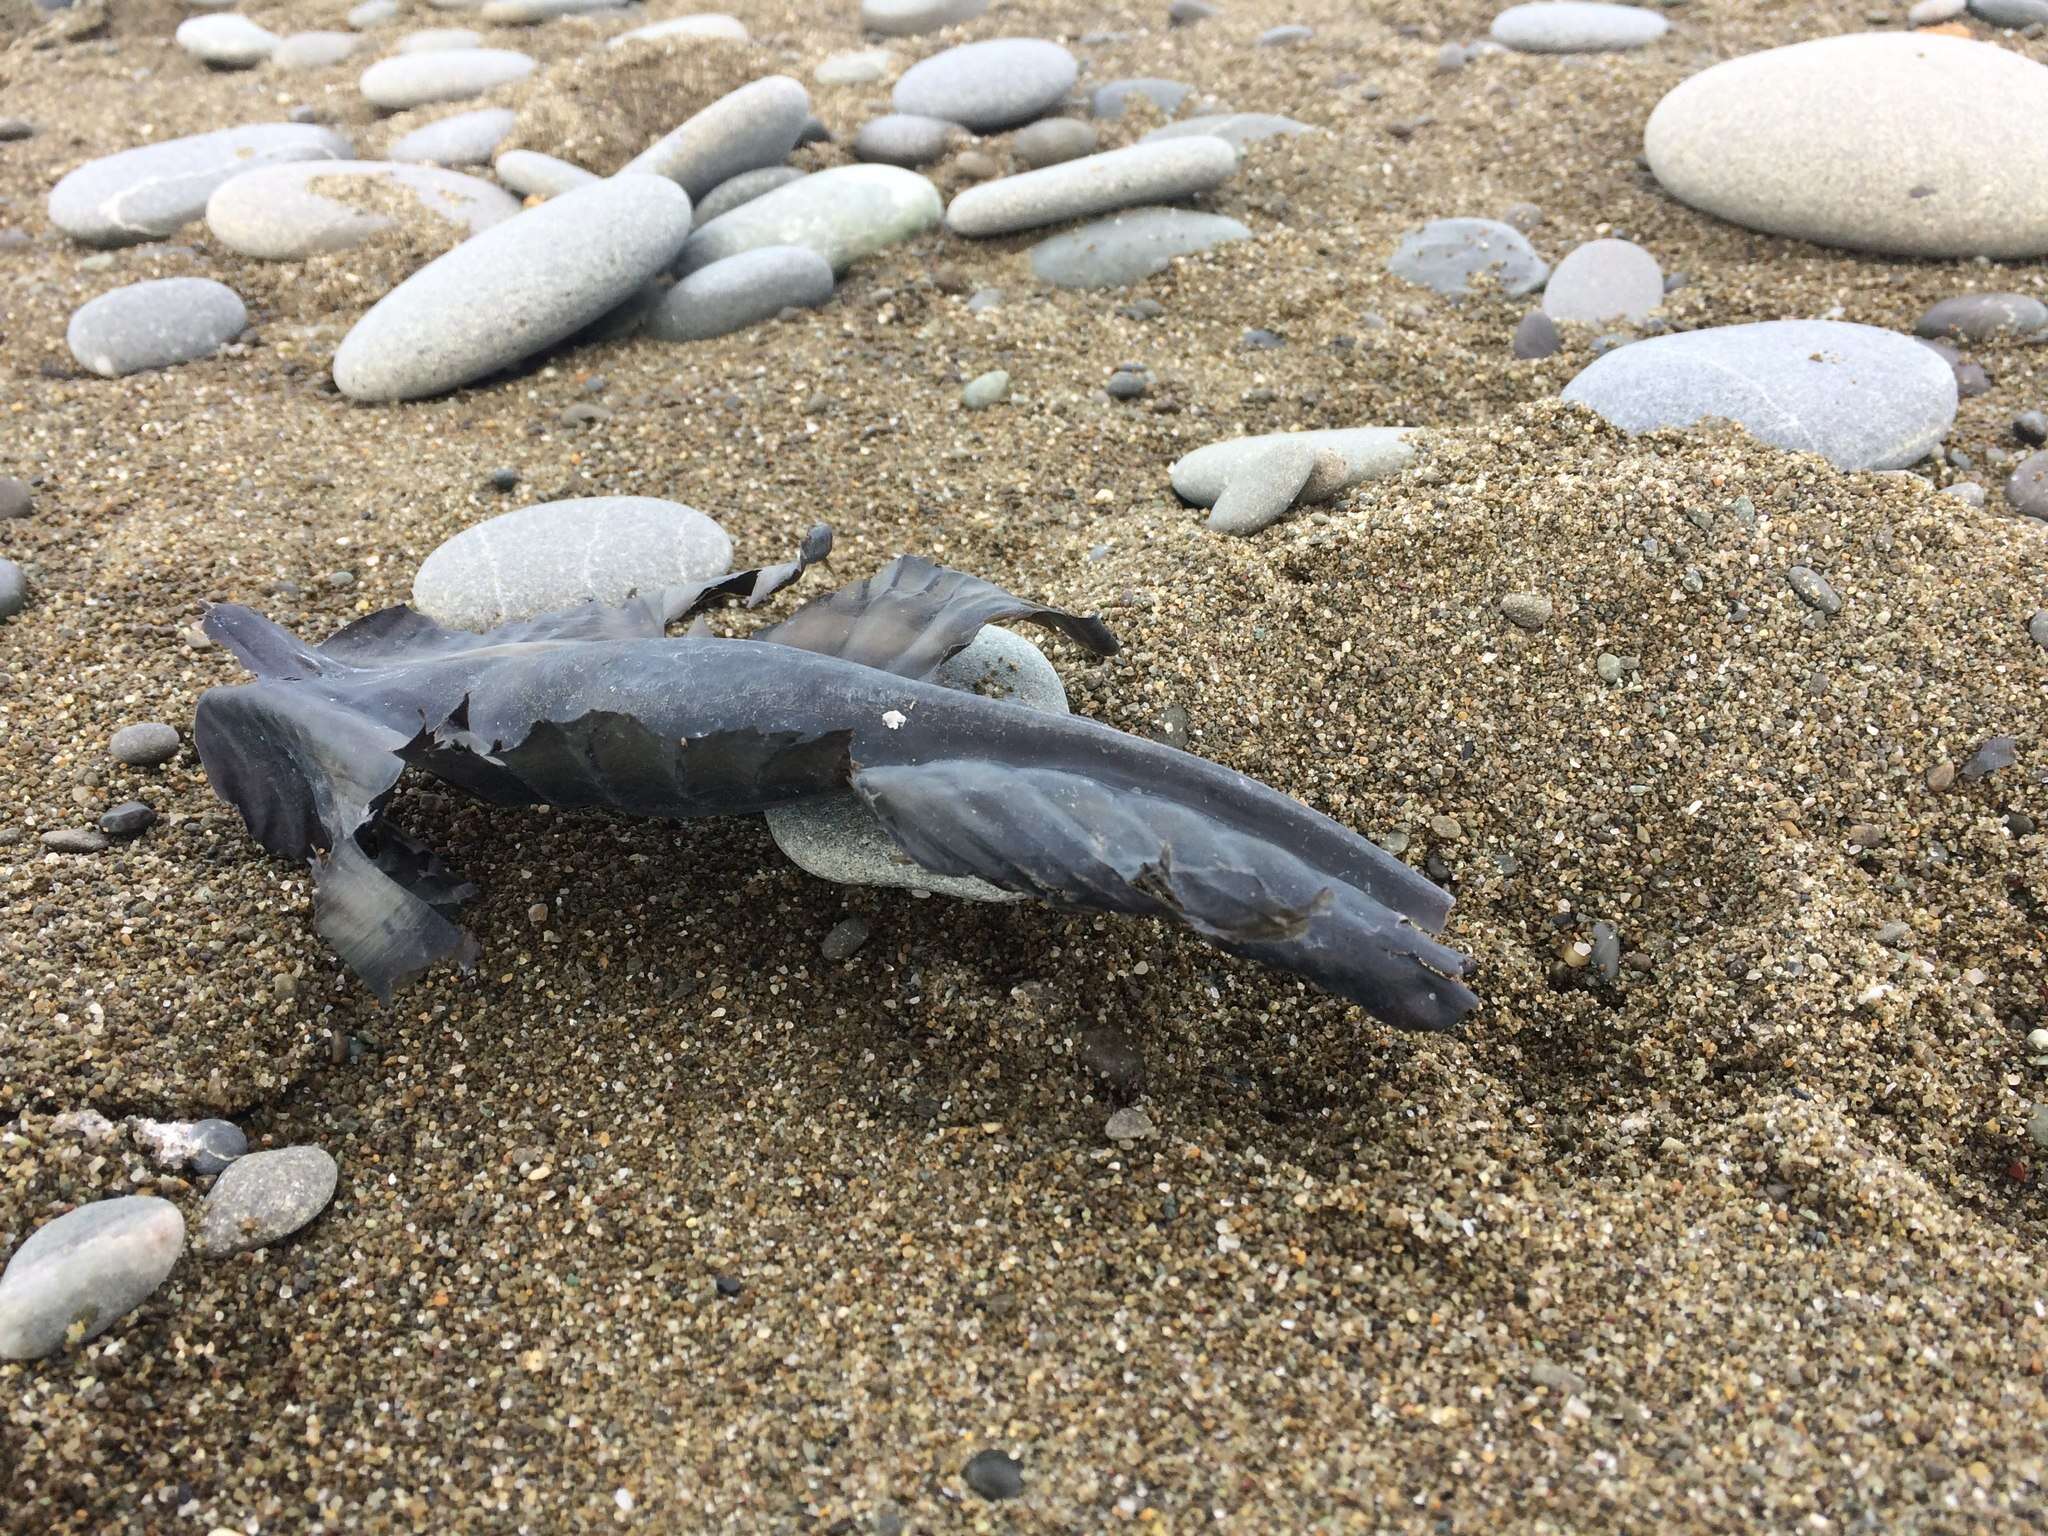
[598, 707]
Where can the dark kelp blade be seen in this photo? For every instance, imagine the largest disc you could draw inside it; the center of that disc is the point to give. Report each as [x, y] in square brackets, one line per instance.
[912, 615]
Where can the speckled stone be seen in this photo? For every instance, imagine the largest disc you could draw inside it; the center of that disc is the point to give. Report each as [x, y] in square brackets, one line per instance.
[263, 1197]
[740, 291]
[533, 174]
[989, 85]
[465, 138]
[743, 188]
[86, 1270]
[897, 138]
[556, 554]
[153, 191]
[1094, 184]
[1263, 486]
[756, 125]
[155, 324]
[145, 744]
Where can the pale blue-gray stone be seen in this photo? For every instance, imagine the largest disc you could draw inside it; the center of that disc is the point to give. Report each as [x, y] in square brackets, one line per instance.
[533, 174]
[1447, 254]
[1860, 397]
[1128, 247]
[989, 85]
[1368, 453]
[756, 125]
[1981, 316]
[709, 27]
[743, 188]
[1053, 141]
[1078, 189]
[451, 74]
[439, 40]
[556, 554]
[155, 324]
[899, 138]
[861, 67]
[313, 50]
[85, 1271]
[843, 214]
[466, 138]
[1604, 281]
[1111, 99]
[516, 288]
[225, 40]
[153, 191]
[1576, 26]
[740, 291]
[909, 18]
[290, 212]
[1236, 129]
[263, 1197]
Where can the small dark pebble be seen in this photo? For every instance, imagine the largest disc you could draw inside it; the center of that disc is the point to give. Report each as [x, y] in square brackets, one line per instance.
[994, 1475]
[846, 938]
[1115, 1058]
[728, 1286]
[1125, 385]
[1258, 339]
[1535, 336]
[12, 128]
[504, 479]
[2030, 427]
[131, 818]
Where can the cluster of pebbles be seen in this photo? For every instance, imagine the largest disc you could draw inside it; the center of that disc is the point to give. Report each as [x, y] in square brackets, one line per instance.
[513, 255]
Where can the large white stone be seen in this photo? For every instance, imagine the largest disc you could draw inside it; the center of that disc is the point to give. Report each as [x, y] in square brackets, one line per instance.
[1908, 144]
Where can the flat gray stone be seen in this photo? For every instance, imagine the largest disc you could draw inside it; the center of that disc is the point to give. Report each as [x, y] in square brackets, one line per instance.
[533, 174]
[1981, 316]
[154, 191]
[743, 188]
[1445, 255]
[1094, 184]
[225, 40]
[1860, 397]
[862, 66]
[514, 289]
[155, 324]
[843, 214]
[86, 1270]
[2012, 14]
[989, 85]
[1905, 144]
[910, 18]
[1053, 141]
[1111, 99]
[466, 138]
[1128, 247]
[839, 839]
[1236, 129]
[756, 125]
[1199, 477]
[709, 26]
[313, 50]
[1536, 336]
[1263, 486]
[449, 74]
[290, 212]
[740, 291]
[2027, 489]
[1576, 26]
[555, 555]
[263, 1197]
[898, 138]
[1603, 281]
[439, 40]
[146, 744]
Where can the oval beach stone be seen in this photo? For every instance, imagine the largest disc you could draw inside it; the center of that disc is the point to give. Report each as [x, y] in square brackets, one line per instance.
[754, 126]
[843, 214]
[1110, 100]
[86, 1270]
[466, 138]
[1576, 26]
[740, 291]
[1981, 316]
[744, 188]
[290, 212]
[989, 85]
[1368, 452]
[1445, 255]
[1236, 129]
[555, 555]
[439, 40]
[147, 193]
[263, 1197]
[897, 138]
[518, 287]
[1905, 144]
[860, 67]
[1053, 141]
[533, 174]
[1128, 247]
[313, 50]
[709, 26]
[1603, 281]
[1078, 189]
[155, 324]
[909, 18]
[447, 74]
[225, 40]
[1860, 397]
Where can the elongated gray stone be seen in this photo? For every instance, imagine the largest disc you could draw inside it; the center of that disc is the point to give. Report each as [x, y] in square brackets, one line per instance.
[839, 839]
[897, 138]
[466, 138]
[1368, 453]
[1604, 281]
[156, 324]
[225, 40]
[86, 1270]
[1263, 486]
[263, 1197]
[313, 50]
[1906, 144]
[756, 125]
[744, 188]
[740, 291]
[1576, 26]
[518, 287]
[1445, 255]
[1094, 184]
[989, 85]
[556, 554]
[153, 191]
[1236, 129]
[290, 212]
[451, 74]
[1860, 397]
[1981, 316]
[1128, 247]
[843, 214]
[710, 26]
[909, 18]
[533, 174]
